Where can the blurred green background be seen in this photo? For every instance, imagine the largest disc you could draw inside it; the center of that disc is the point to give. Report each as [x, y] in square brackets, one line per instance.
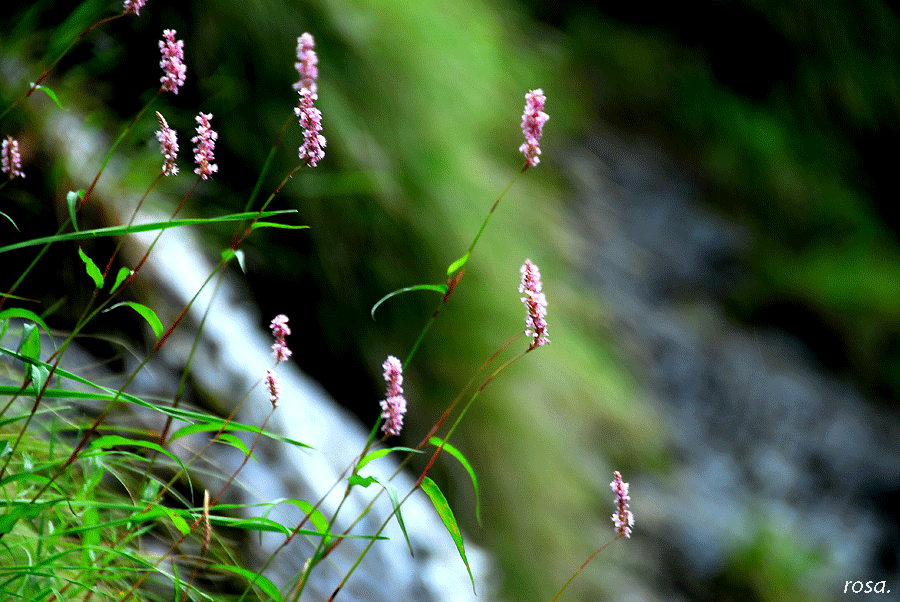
[786, 111]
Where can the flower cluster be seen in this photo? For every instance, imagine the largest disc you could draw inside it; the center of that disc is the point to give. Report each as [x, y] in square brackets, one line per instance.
[313, 147]
[168, 145]
[172, 63]
[273, 387]
[280, 330]
[394, 406]
[11, 159]
[536, 304]
[533, 120]
[622, 518]
[205, 141]
[134, 6]
[306, 64]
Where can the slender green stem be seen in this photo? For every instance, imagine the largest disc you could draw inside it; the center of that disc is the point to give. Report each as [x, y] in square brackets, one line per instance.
[491, 212]
[591, 557]
[109, 154]
[268, 163]
[452, 282]
[431, 461]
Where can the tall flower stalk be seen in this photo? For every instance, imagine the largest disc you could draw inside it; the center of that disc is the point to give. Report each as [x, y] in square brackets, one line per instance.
[134, 6]
[307, 64]
[172, 63]
[533, 120]
[535, 303]
[205, 142]
[622, 519]
[168, 145]
[280, 330]
[11, 159]
[394, 405]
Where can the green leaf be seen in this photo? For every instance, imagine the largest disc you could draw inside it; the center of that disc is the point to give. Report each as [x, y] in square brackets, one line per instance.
[120, 230]
[72, 200]
[318, 519]
[276, 225]
[30, 347]
[18, 312]
[92, 270]
[49, 93]
[438, 288]
[256, 523]
[437, 442]
[110, 441]
[380, 453]
[253, 577]
[145, 312]
[458, 264]
[10, 220]
[395, 500]
[176, 519]
[123, 274]
[211, 423]
[233, 441]
[20, 510]
[443, 509]
[361, 481]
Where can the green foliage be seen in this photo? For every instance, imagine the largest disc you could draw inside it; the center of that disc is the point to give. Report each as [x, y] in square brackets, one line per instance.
[145, 312]
[443, 509]
[438, 442]
[91, 470]
[91, 268]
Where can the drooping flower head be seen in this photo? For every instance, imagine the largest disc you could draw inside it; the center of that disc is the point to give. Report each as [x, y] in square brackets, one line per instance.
[280, 330]
[205, 144]
[533, 120]
[11, 160]
[168, 145]
[622, 518]
[394, 406]
[313, 149]
[306, 64]
[535, 304]
[134, 6]
[172, 63]
[273, 387]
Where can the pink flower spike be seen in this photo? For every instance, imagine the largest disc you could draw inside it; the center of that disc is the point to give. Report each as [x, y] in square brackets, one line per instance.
[533, 120]
[273, 387]
[307, 64]
[535, 304]
[622, 518]
[172, 63]
[394, 407]
[393, 375]
[134, 6]
[11, 160]
[313, 147]
[168, 146]
[205, 141]
[280, 330]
